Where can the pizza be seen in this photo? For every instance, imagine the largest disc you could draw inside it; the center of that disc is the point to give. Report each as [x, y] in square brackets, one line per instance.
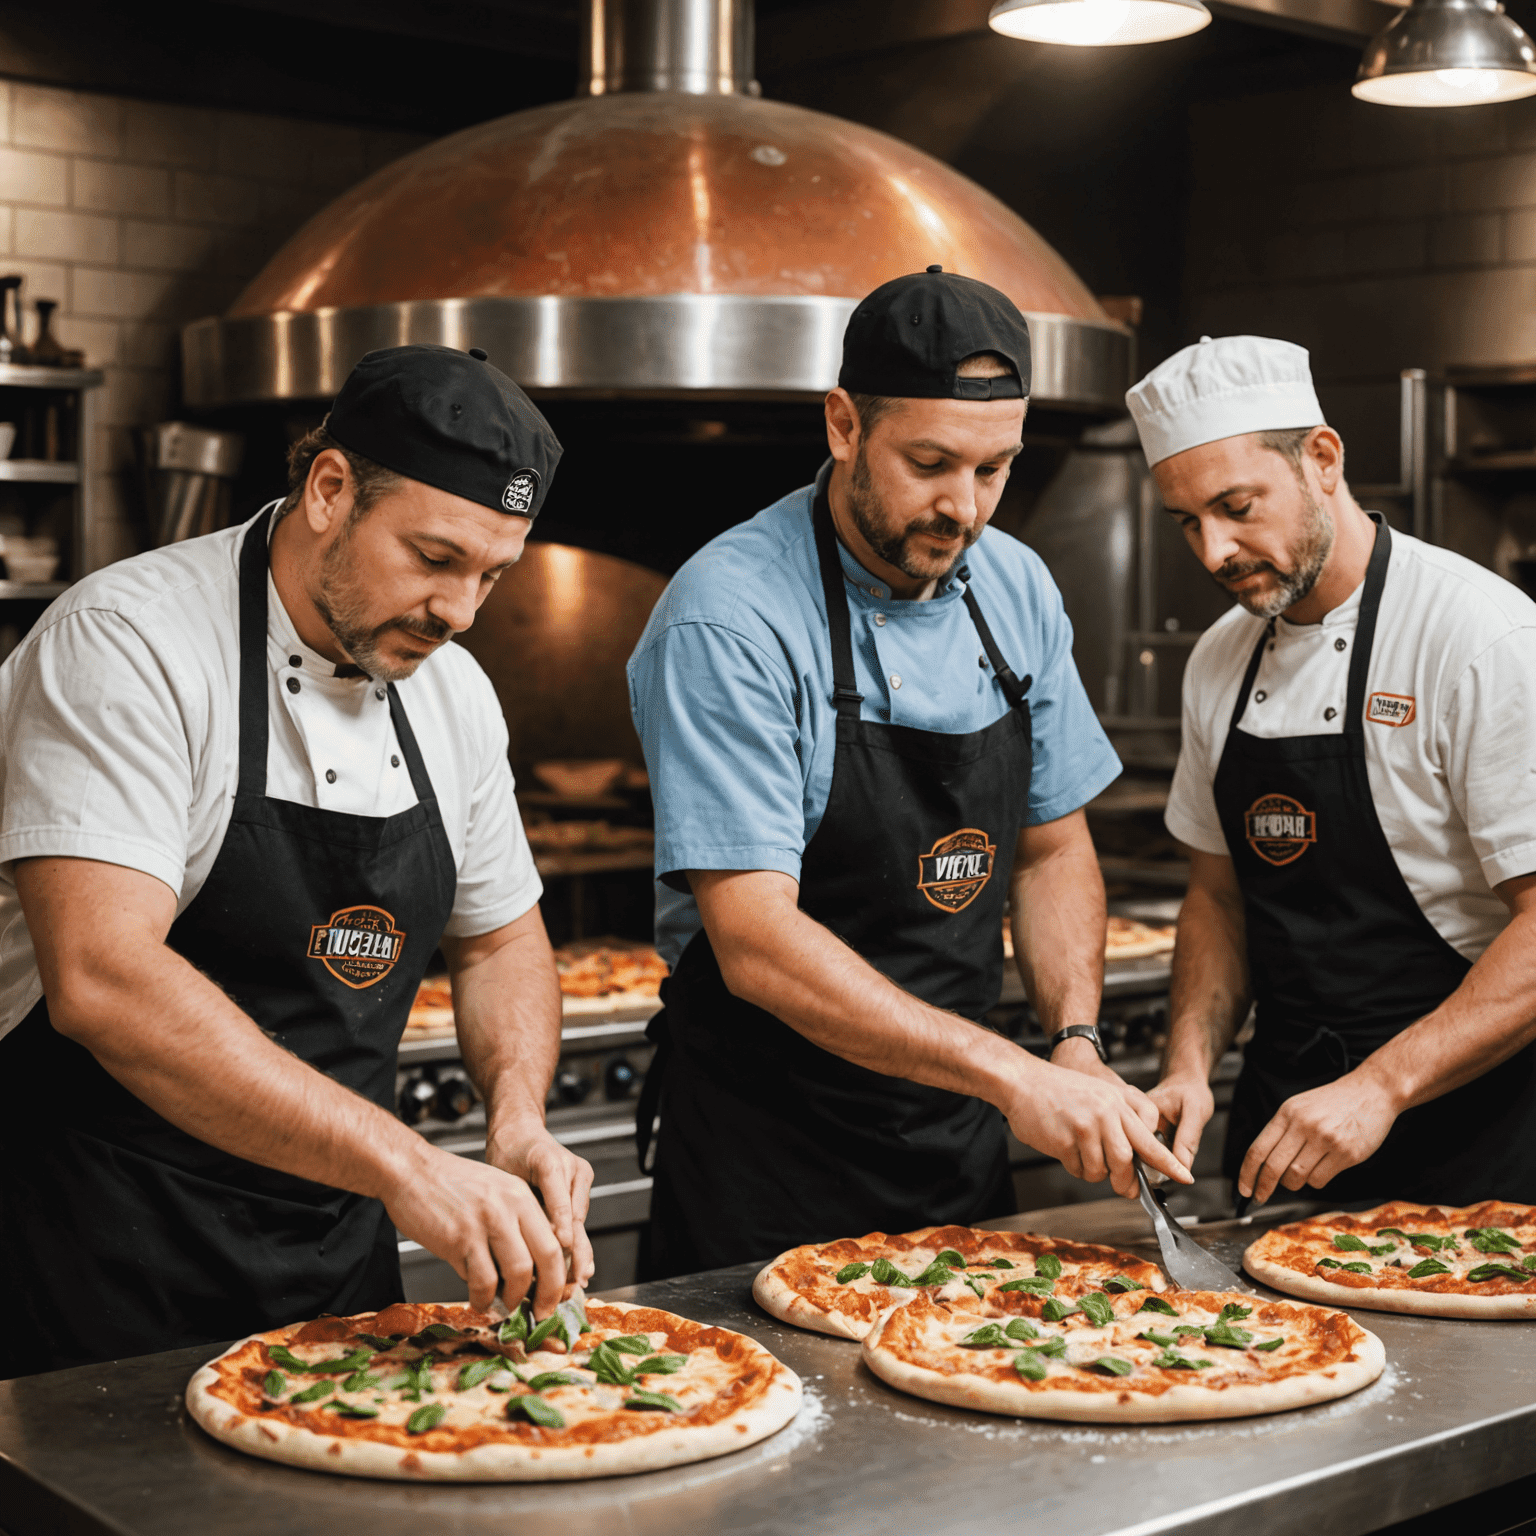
[1438, 1261]
[1124, 939]
[1132, 1357]
[446, 1393]
[609, 968]
[842, 1287]
[432, 1011]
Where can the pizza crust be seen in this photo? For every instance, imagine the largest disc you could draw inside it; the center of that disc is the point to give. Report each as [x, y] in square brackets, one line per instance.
[1264, 1259]
[944, 1376]
[671, 1443]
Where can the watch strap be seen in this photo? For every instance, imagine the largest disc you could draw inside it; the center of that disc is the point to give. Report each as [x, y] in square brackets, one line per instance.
[1085, 1031]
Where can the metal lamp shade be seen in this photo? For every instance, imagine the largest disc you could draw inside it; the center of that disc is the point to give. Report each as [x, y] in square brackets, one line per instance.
[1448, 53]
[1098, 23]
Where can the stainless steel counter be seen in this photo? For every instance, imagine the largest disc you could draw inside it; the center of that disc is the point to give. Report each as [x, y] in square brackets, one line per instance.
[108, 1449]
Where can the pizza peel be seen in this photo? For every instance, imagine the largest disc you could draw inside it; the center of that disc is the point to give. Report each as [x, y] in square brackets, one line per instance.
[1189, 1266]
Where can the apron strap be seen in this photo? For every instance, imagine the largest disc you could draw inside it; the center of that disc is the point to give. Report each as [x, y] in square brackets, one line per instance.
[420, 781]
[1365, 626]
[1013, 690]
[253, 657]
[845, 692]
[1250, 675]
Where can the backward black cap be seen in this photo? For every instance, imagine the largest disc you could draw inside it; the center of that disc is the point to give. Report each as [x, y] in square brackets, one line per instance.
[907, 339]
[450, 420]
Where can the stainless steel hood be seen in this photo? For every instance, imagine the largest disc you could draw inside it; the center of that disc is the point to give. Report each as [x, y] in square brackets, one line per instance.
[668, 233]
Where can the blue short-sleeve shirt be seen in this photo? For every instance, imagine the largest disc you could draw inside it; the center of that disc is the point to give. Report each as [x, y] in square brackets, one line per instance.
[731, 688]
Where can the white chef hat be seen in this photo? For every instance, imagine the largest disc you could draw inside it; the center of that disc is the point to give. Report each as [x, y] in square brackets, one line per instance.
[1223, 388]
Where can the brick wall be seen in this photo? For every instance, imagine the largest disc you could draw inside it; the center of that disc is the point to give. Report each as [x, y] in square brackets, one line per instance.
[1380, 238]
[138, 217]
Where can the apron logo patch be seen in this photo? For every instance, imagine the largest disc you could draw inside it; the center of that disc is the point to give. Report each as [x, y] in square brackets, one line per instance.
[358, 946]
[1390, 709]
[1279, 828]
[520, 491]
[952, 874]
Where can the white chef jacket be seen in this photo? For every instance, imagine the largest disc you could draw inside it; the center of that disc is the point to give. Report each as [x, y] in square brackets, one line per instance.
[1450, 731]
[119, 741]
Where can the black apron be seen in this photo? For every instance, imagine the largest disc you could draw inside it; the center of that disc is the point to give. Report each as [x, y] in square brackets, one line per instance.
[1341, 958]
[768, 1141]
[123, 1235]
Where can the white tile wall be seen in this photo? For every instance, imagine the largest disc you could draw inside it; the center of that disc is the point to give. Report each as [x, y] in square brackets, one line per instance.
[137, 217]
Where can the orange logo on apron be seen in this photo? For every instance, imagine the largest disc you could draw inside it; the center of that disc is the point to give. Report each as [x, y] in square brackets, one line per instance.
[952, 874]
[358, 946]
[1279, 828]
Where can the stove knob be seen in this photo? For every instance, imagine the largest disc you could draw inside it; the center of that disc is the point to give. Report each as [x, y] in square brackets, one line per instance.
[571, 1086]
[619, 1078]
[455, 1098]
[417, 1098]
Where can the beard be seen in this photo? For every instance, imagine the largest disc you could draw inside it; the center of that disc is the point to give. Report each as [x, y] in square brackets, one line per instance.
[1305, 560]
[342, 602]
[893, 542]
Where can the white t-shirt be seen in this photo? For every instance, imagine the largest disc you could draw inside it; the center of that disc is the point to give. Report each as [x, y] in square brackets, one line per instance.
[1450, 733]
[119, 741]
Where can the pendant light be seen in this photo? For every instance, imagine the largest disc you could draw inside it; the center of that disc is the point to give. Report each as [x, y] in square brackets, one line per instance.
[1098, 23]
[1448, 53]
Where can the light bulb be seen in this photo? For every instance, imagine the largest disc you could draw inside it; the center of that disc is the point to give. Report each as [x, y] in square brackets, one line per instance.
[1097, 23]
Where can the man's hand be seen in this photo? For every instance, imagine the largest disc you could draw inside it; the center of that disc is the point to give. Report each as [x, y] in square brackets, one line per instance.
[1078, 1055]
[563, 1181]
[1185, 1104]
[1318, 1134]
[486, 1223]
[1090, 1126]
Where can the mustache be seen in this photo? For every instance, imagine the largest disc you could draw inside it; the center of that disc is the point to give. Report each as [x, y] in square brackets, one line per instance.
[1235, 570]
[942, 527]
[429, 629]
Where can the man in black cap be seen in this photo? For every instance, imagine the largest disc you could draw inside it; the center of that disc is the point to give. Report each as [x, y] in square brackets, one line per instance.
[247, 792]
[865, 734]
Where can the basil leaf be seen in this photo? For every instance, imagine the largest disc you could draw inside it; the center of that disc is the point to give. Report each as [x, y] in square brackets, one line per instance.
[279, 1355]
[315, 1393]
[1189, 1328]
[373, 1341]
[1228, 1337]
[1057, 1308]
[1347, 1242]
[437, 1332]
[988, 1336]
[607, 1364]
[1114, 1365]
[504, 1385]
[629, 1344]
[1049, 1266]
[883, 1272]
[1029, 1365]
[640, 1398]
[1123, 1283]
[274, 1384]
[950, 1257]
[477, 1371]
[532, 1407]
[573, 1322]
[1097, 1306]
[1492, 1240]
[550, 1325]
[425, 1418]
[515, 1327]
[343, 1366]
[1393, 1232]
[1172, 1360]
[1022, 1328]
[1157, 1304]
[935, 1274]
[355, 1410]
[1497, 1272]
[1430, 1241]
[1034, 1285]
[1427, 1267]
[361, 1381]
[1152, 1336]
[993, 1264]
[1233, 1313]
[852, 1272]
[1358, 1268]
[1270, 1344]
[974, 1285]
[546, 1379]
[1329, 1264]
[661, 1365]
[1529, 1261]
[1055, 1347]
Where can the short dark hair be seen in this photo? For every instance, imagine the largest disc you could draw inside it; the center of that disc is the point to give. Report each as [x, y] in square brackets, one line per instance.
[1289, 443]
[370, 481]
[979, 365]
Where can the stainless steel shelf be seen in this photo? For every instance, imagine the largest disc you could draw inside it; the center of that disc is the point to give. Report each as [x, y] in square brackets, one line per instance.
[47, 470]
[24, 376]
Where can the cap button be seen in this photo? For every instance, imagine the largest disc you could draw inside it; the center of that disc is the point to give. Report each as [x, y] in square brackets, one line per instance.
[478, 355]
[935, 268]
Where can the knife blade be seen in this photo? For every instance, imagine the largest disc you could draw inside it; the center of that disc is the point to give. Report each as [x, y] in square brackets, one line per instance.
[1189, 1266]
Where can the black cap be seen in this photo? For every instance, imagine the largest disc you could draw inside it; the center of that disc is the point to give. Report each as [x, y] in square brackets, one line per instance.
[908, 337]
[450, 420]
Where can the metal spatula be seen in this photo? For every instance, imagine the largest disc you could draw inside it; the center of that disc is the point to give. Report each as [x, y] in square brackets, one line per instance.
[1189, 1266]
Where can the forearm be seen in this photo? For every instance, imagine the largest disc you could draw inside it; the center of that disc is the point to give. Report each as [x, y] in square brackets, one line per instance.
[1058, 918]
[1489, 1017]
[1208, 991]
[506, 1005]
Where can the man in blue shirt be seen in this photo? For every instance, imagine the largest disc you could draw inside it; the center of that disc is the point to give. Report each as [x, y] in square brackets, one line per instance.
[854, 770]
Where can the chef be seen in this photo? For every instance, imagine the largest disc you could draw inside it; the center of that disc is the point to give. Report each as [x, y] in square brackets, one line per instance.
[247, 791]
[1357, 788]
[864, 733]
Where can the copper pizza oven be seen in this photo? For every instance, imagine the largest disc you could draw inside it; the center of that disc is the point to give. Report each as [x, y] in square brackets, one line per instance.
[668, 234]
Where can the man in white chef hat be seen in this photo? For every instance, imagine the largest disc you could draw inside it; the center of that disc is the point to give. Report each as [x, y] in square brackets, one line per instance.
[1357, 789]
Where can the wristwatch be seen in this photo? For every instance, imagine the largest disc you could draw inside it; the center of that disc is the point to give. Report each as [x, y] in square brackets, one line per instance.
[1087, 1031]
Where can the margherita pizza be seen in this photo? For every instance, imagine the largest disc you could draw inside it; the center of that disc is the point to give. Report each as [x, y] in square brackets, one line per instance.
[842, 1287]
[1128, 1358]
[1124, 939]
[1433, 1260]
[445, 1393]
